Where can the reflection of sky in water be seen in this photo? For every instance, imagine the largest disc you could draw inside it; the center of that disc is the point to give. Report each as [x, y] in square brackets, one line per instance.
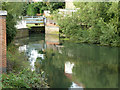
[68, 69]
[32, 53]
[95, 60]
[23, 48]
[74, 85]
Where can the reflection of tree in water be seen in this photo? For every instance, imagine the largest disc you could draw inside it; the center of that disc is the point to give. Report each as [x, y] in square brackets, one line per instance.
[95, 67]
[96, 76]
[57, 78]
[53, 70]
[98, 54]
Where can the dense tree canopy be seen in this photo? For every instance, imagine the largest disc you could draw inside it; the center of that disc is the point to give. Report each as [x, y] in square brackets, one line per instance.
[39, 7]
[14, 10]
[94, 22]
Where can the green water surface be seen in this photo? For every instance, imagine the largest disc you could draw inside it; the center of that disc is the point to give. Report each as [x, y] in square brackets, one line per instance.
[94, 66]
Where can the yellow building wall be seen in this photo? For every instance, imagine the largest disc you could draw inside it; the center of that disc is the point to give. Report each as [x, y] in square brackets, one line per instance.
[69, 5]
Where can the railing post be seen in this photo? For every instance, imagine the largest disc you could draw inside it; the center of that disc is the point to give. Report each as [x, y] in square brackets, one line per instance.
[44, 21]
[3, 64]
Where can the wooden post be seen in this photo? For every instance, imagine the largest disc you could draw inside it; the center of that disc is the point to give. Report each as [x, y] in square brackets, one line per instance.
[3, 41]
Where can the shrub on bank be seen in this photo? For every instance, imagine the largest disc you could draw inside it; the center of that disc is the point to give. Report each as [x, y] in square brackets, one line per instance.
[24, 79]
[14, 10]
[18, 75]
[93, 23]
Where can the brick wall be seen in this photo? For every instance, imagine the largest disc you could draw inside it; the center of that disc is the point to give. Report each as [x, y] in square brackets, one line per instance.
[2, 44]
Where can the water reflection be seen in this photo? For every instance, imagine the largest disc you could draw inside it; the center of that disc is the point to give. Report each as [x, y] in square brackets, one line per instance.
[52, 39]
[32, 53]
[72, 65]
[74, 85]
[22, 48]
[69, 67]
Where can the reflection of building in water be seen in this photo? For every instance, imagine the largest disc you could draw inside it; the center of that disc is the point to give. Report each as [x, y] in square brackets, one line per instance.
[32, 53]
[68, 67]
[68, 73]
[22, 48]
[51, 41]
[76, 85]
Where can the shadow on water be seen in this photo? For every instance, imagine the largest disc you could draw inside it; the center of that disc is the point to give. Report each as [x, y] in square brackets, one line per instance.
[37, 29]
[72, 65]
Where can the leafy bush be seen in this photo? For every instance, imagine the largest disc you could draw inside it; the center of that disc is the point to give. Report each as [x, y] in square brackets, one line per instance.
[92, 23]
[14, 10]
[31, 11]
[24, 79]
[39, 7]
[10, 28]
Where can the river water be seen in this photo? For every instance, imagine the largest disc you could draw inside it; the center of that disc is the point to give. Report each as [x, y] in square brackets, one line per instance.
[71, 65]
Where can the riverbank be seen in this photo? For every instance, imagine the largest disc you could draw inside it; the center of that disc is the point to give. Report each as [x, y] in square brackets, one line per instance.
[70, 65]
[100, 27]
[19, 74]
[64, 38]
[24, 79]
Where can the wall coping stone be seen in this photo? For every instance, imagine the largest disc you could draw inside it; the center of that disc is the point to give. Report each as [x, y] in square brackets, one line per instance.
[3, 13]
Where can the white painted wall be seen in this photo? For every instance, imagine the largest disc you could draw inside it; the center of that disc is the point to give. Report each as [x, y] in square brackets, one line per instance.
[47, 13]
[21, 24]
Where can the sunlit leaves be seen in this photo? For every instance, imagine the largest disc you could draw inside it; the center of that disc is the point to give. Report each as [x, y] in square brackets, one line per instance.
[93, 19]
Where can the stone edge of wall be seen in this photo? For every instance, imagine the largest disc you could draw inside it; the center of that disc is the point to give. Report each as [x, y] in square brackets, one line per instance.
[3, 13]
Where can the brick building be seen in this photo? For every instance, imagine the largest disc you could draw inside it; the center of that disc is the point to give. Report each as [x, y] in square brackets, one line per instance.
[3, 41]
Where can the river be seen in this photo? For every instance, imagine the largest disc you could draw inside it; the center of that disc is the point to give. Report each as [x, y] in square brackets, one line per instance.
[71, 65]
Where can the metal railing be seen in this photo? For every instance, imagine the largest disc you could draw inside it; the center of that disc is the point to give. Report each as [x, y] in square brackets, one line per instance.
[35, 19]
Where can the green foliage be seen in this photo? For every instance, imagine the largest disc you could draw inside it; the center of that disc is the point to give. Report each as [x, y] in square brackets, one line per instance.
[19, 74]
[55, 5]
[24, 79]
[16, 61]
[31, 11]
[14, 10]
[10, 28]
[39, 7]
[93, 23]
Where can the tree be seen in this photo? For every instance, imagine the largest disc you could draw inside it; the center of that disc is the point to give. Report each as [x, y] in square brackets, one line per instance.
[94, 22]
[39, 7]
[14, 10]
[31, 11]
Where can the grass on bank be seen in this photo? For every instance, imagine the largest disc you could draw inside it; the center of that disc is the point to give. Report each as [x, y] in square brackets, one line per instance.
[33, 25]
